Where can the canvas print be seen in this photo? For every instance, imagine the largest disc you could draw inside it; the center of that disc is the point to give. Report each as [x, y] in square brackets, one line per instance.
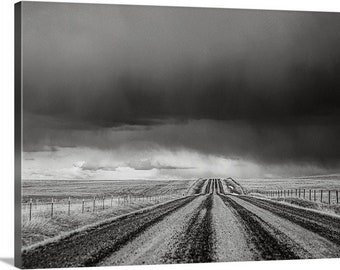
[163, 135]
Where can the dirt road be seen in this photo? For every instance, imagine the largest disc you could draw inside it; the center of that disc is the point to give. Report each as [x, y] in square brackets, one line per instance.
[207, 225]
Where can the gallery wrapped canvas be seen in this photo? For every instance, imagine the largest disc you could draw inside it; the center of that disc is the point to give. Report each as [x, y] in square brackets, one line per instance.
[161, 135]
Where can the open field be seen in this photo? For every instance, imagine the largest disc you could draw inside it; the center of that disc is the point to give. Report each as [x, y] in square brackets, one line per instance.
[328, 182]
[211, 224]
[77, 204]
[316, 192]
[44, 190]
[42, 226]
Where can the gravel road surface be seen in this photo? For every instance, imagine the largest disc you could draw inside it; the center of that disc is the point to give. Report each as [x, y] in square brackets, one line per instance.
[209, 225]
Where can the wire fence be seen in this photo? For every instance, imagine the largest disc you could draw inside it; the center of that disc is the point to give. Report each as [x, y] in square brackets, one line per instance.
[35, 208]
[316, 195]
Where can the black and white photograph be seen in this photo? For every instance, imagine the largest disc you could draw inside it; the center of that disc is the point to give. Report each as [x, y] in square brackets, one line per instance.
[171, 135]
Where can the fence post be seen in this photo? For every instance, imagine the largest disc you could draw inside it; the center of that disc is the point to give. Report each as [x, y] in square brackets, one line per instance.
[103, 202]
[94, 204]
[69, 206]
[314, 195]
[31, 209]
[337, 197]
[299, 193]
[52, 208]
[83, 206]
[304, 193]
[321, 195]
[329, 197]
[310, 194]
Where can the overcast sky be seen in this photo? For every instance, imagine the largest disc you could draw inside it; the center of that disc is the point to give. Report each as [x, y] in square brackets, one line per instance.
[125, 92]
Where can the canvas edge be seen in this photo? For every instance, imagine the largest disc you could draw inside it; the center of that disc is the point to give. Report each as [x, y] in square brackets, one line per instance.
[17, 131]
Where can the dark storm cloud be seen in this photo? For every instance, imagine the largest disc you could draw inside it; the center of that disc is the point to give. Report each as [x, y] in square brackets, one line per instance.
[94, 67]
[41, 148]
[302, 142]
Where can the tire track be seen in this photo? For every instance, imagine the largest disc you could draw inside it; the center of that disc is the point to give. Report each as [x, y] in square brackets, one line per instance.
[208, 187]
[270, 243]
[215, 186]
[231, 237]
[204, 188]
[220, 185]
[211, 186]
[197, 242]
[305, 243]
[88, 247]
[323, 225]
[151, 246]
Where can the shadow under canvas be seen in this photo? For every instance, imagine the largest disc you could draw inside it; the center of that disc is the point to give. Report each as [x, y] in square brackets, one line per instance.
[9, 261]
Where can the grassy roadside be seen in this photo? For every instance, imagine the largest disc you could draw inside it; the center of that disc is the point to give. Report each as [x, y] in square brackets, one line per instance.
[333, 208]
[42, 228]
[322, 207]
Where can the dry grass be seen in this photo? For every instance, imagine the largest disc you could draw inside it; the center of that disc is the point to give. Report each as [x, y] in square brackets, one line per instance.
[44, 190]
[328, 182]
[333, 208]
[41, 227]
[233, 185]
[41, 209]
[311, 183]
[259, 195]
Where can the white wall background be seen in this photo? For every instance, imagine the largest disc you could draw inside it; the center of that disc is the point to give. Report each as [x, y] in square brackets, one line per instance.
[7, 125]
